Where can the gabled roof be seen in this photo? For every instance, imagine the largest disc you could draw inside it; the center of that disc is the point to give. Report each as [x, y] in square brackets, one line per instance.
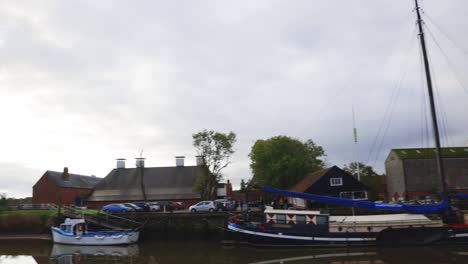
[429, 153]
[160, 183]
[75, 180]
[309, 180]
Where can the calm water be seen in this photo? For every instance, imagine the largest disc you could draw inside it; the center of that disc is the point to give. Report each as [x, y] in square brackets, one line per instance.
[209, 252]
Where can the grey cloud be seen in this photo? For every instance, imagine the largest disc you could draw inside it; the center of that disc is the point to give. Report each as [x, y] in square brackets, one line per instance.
[149, 74]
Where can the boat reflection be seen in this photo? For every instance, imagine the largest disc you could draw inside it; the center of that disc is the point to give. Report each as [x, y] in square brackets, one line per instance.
[74, 254]
[378, 255]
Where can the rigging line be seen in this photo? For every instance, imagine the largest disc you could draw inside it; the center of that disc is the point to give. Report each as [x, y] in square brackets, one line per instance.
[425, 107]
[445, 34]
[379, 148]
[328, 103]
[442, 107]
[423, 116]
[392, 98]
[449, 62]
[392, 110]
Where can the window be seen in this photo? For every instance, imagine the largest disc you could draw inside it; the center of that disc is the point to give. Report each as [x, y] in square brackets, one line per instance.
[281, 219]
[301, 219]
[321, 219]
[336, 181]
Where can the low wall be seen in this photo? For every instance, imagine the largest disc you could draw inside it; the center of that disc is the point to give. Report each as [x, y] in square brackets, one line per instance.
[26, 224]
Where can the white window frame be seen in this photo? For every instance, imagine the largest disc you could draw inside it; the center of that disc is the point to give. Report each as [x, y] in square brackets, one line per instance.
[336, 181]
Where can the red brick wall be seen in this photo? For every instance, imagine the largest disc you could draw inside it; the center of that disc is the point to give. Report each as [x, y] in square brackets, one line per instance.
[46, 191]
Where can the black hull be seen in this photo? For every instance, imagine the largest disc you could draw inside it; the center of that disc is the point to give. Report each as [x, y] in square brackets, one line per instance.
[389, 237]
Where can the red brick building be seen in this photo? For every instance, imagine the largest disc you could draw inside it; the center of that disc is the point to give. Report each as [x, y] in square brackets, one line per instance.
[63, 188]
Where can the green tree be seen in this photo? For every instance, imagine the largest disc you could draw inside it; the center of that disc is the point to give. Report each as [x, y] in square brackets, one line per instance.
[3, 201]
[363, 169]
[243, 185]
[282, 161]
[369, 177]
[216, 148]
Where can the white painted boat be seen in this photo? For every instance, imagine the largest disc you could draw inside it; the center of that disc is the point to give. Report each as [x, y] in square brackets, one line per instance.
[75, 232]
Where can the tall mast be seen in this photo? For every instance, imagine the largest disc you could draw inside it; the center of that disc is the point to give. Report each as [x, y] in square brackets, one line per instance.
[355, 142]
[440, 164]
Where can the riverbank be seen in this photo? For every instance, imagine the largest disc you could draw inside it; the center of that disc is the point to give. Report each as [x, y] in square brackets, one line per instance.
[26, 237]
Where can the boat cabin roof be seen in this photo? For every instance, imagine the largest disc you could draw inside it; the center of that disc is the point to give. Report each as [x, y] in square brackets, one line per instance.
[69, 221]
[296, 212]
[379, 218]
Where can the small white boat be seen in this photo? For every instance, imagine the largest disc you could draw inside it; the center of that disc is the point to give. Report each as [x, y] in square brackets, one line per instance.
[75, 232]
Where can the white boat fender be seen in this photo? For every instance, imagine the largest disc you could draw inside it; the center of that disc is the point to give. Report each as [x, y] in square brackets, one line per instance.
[78, 237]
[99, 237]
[117, 237]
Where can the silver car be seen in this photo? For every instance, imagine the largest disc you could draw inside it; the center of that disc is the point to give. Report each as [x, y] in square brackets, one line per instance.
[204, 206]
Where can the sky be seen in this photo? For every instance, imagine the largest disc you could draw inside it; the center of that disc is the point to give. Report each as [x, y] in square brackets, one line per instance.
[85, 82]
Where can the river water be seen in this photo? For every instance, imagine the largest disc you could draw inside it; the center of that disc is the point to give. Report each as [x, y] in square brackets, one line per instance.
[26, 252]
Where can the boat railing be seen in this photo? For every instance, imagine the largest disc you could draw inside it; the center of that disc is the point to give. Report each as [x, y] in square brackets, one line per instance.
[387, 223]
[103, 219]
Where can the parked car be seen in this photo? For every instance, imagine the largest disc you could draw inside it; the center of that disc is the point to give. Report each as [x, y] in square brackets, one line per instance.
[143, 205]
[116, 208]
[225, 205]
[204, 206]
[178, 205]
[135, 207]
[154, 206]
[160, 206]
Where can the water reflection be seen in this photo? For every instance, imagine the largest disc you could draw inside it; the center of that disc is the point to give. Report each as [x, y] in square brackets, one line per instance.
[211, 252]
[72, 254]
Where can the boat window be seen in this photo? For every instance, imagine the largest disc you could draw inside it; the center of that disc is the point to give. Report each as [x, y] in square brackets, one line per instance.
[281, 218]
[63, 227]
[322, 219]
[301, 219]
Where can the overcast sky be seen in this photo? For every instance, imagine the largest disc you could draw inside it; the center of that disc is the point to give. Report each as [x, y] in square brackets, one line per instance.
[85, 82]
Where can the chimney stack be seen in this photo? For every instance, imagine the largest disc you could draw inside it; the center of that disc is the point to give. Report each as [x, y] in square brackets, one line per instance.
[65, 175]
[140, 162]
[179, 161]
[200, 160]
[121, 163]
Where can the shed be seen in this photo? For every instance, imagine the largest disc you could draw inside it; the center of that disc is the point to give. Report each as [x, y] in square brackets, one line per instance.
[412, 172]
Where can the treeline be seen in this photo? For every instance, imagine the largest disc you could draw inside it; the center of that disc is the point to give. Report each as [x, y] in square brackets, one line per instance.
[280, 161]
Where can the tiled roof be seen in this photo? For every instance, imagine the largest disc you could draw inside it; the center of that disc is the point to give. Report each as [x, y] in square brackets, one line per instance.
[309, 179]
[428, 153]
[75, 180]
[159, 182]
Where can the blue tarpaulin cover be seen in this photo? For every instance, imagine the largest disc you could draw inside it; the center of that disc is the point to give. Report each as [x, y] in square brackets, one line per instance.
[461, 195]
[409, 208]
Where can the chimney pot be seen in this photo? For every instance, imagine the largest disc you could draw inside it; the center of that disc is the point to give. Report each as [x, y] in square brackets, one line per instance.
[65, 175]
[121, 163]
[180, 161]
[140, 162]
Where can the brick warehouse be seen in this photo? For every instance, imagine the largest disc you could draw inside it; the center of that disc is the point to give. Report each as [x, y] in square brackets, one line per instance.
[63, 188]
[153, 183]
